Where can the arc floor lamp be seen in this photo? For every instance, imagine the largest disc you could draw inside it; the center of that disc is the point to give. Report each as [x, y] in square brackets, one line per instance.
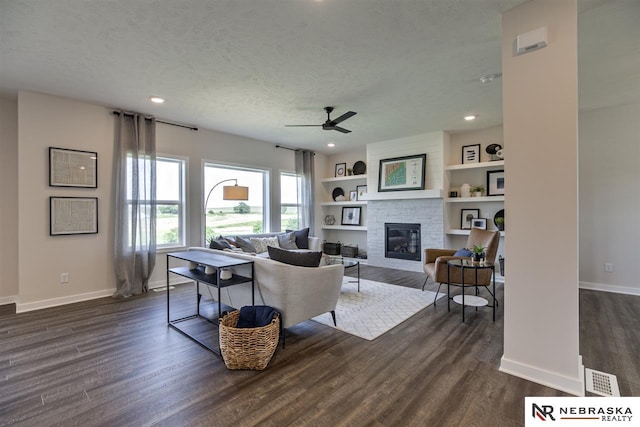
[229, 192]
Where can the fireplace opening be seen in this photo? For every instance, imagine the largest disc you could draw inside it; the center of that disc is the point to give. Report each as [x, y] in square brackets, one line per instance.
[402, 241]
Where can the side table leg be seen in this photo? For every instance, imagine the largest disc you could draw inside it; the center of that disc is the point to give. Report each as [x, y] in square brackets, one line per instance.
[462, 294]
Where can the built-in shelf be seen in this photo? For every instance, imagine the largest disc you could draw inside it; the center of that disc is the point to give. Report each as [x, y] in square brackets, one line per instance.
[459, 232]
[474, 199]
[345, 227]
[481, 165]
[345, 203]
[344, 178]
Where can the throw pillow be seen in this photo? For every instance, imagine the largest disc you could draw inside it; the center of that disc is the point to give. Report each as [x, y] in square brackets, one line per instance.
[464, 252]
[302, 238]
[301, 259]
[220, 244]
[261, 243]
[245, 244]
[287, 240]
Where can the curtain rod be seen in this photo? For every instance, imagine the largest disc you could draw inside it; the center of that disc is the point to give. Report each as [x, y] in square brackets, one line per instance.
[193, 128]
[292, 149]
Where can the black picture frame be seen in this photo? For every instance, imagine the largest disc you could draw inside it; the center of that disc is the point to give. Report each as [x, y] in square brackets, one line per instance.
[351, 216]
[480, 223]
[362, 191]
[73, 168]
[465, 219]
[470, 154]
[341, 169]
[402, 173]
[73, 215]
[495, 183]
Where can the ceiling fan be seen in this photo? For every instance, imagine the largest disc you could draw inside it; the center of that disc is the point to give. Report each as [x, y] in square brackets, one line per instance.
[332, 124]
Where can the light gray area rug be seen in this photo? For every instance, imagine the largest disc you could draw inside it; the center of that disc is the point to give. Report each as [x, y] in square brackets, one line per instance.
[376, 309]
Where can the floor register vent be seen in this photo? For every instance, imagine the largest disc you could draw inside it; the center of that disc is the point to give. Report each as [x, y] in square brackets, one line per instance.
[601, 383]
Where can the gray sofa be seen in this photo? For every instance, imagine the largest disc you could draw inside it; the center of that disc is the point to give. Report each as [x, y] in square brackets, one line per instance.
[298, 293]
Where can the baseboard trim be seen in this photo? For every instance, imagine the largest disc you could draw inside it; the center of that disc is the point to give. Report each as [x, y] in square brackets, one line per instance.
[54, 302]
[610, 288]
[574, 386]
[172, 282]
[13, 299]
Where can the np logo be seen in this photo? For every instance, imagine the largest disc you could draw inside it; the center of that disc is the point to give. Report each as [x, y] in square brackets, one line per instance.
[542, 412]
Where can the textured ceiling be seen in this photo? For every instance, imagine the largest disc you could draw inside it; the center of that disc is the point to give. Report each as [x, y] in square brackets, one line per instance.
[249, 67]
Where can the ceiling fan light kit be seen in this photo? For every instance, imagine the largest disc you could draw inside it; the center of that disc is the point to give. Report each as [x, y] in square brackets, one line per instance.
[331, 124]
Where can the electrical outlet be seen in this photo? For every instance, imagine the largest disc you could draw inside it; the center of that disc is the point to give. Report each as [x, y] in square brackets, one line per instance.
[608, 267]
[64, 277]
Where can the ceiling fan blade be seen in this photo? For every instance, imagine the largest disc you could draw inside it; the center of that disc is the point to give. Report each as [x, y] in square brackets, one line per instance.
[344, 117]
[297, 126]
[339, 129]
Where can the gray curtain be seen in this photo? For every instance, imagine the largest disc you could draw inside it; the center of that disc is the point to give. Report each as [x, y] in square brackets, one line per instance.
[305, 169]
[135, 202]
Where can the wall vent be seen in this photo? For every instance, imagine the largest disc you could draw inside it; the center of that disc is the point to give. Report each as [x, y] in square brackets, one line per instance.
[601, 383]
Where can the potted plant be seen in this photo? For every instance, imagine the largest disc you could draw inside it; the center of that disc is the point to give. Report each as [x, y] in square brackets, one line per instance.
[499, 223]
[477, 190]
[478, 252]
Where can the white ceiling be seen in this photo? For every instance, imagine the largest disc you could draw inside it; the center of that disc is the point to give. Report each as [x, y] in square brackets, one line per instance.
[249, 67]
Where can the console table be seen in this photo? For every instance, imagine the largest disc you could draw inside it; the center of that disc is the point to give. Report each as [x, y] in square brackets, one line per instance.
[201, 264]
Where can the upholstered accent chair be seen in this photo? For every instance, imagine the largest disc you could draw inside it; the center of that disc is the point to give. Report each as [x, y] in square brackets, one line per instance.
[435, 261]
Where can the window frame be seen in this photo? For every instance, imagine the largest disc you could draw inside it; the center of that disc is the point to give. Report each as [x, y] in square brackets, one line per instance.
[297, 204]
[182, 203]
[266, 199]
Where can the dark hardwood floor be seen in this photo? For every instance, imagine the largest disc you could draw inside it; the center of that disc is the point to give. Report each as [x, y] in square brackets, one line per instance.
[111, 362]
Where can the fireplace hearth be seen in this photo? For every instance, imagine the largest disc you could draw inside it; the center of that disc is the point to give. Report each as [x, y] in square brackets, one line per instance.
[402, 241]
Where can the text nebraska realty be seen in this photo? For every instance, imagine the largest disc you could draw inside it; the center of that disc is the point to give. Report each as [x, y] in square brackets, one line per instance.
[609, 413]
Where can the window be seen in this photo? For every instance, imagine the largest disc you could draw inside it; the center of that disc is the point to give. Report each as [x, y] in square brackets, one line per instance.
[289, 208]
[230, 217]
[170, 221]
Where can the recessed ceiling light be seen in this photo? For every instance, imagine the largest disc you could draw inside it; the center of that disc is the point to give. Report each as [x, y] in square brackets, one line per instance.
[156, 99]
[470, 117]
[331, 144]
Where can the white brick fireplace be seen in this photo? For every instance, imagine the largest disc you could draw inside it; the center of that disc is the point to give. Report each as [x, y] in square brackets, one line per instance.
[428, 212]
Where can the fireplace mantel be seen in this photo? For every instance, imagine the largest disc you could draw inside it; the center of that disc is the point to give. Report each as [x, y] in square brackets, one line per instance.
[404, 195]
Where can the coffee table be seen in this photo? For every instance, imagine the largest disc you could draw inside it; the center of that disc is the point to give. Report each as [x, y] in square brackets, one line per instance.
[348, 263]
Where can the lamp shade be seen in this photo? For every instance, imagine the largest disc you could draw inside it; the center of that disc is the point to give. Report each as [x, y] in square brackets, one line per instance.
[235, 192]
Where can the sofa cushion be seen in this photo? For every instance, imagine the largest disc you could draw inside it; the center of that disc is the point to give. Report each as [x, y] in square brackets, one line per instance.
[220, 243]
[244, 244]
[302, 238]
[261, 243]
[287, 240]
[302, 259]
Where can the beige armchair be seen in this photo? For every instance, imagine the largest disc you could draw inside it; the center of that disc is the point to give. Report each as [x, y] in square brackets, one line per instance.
[435, 261]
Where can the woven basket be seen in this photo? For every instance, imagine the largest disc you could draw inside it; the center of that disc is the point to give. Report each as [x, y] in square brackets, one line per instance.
[247, 348]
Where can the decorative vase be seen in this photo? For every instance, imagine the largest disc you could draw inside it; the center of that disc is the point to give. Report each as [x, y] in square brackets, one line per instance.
[465, 190]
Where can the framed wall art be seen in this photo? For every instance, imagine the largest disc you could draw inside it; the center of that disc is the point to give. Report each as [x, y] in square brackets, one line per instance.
[495, 183]
[353, 195]
[402, 173]
[73, 215]
[479, 223]
[466, 216]
[362, 191]
[73, 168]
[341, 169]
[351, 216]
[470, 154]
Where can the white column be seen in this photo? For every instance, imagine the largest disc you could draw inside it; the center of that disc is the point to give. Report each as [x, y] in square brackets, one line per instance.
[541, 244]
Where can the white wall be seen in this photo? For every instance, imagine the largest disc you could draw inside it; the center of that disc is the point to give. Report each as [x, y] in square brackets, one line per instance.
[8, 200]
[610, 198]
[45, 120]
[540, 126]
